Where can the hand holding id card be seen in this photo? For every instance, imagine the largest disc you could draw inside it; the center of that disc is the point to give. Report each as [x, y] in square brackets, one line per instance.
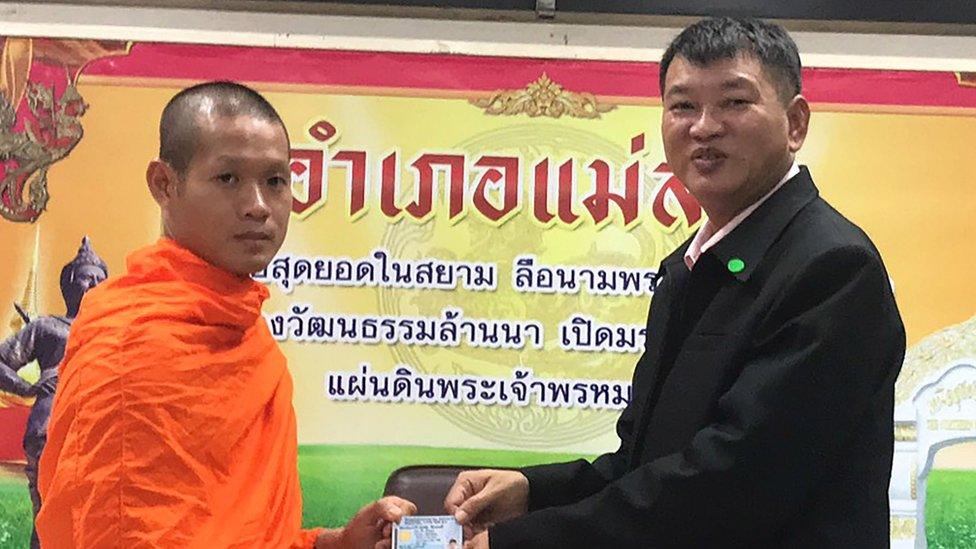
[427, 532]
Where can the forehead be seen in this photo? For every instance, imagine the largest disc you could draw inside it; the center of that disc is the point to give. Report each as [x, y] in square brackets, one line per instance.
[742, 70]
[244, 133]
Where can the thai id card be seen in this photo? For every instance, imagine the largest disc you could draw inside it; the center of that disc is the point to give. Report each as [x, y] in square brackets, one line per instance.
[427, 532]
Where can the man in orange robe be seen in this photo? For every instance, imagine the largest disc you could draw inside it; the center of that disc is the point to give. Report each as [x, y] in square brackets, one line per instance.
[173, 424]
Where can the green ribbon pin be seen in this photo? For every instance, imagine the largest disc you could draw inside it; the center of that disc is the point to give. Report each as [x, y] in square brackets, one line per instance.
[736, 265]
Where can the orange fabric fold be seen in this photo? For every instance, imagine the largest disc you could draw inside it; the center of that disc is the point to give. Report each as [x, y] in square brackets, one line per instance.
[173, 423]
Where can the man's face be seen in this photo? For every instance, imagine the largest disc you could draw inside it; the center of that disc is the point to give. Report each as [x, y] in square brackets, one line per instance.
[727, 135]
[232, 206]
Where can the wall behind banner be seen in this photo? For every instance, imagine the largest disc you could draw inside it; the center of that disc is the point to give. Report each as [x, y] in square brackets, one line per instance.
[864, 151]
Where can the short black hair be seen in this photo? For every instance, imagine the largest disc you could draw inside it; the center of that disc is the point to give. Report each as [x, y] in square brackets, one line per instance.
[718, 38]
[180, 123]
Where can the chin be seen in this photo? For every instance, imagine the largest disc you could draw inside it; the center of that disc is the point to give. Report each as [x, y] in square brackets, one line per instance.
[697, 187]
[711, 185]
[243, 268]
[257, 264]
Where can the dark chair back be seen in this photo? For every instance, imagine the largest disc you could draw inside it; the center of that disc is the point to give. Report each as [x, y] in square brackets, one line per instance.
[425, 485]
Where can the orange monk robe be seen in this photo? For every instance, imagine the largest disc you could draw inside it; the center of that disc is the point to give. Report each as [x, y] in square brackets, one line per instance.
[173, 423]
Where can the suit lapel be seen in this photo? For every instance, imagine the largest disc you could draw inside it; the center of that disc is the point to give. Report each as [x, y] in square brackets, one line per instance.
[749, 243]
[659, 321]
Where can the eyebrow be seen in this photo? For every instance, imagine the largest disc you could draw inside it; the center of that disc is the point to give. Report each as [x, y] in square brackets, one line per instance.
[735, 83]
[678, 89]
[237, 159]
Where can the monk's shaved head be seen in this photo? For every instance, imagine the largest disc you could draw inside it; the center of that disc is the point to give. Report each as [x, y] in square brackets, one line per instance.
[179, 127]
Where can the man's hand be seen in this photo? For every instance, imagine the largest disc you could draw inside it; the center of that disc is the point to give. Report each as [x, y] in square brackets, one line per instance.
[370, 528]
[478, 542]
[482, 498]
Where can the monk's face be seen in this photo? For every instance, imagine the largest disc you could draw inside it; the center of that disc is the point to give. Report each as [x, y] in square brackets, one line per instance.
[232, 205]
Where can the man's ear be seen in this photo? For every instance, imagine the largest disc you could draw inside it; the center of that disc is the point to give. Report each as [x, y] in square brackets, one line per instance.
[163, 182]
[798, 115]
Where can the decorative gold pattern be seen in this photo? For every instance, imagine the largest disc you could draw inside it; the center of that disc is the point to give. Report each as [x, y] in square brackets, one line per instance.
[905, 431]
[935, 353]
[953, 397]
[914, 481]
[543, 98]
[54, 130]
[50, 126]
[28, 302]
[16, 56]
[902, 528]
[951, 425]
[966, 78]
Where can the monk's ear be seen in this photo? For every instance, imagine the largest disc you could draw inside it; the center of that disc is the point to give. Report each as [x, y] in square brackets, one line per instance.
[163, 182]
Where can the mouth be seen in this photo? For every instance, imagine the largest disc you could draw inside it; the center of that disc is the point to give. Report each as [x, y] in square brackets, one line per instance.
[708, 159]
[253, 236]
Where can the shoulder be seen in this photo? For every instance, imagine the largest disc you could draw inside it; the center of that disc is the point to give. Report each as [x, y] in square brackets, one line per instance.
[821, 228]
[115, 306]
[821, 238]
[818, 254]
[109, 333]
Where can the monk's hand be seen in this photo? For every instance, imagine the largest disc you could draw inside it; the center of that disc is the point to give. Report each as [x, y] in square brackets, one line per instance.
[479, 499]
[370, 528]
[478, 542]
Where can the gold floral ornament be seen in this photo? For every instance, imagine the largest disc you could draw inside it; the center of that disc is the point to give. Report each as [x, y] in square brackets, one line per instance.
[906, 431]
[903, 528]
[543, 98]
[48, 136]
[33, 138]
[936, 352]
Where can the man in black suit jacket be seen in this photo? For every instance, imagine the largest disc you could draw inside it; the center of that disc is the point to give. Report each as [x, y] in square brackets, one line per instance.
[762, 406]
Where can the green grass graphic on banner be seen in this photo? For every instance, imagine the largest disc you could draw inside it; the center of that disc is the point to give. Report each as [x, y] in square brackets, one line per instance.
[950, 508]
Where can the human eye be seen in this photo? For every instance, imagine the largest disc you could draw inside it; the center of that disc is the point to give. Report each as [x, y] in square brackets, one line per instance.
[736, 103]
[226, 177]
[277, 181]
[681, 107]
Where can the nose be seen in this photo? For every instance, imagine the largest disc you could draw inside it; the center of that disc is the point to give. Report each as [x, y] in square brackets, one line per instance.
[706, 126]
[255, 202]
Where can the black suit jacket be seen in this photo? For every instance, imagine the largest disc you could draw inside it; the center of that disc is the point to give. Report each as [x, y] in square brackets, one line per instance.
[762, 417]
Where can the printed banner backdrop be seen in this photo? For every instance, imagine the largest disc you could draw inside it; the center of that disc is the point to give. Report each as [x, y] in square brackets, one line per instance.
[475, 243]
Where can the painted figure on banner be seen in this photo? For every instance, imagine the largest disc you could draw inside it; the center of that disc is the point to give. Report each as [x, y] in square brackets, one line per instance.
[761, 412]
[43, 340]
